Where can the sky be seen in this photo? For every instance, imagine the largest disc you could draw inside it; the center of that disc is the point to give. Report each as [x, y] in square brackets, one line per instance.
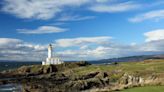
[80, 29]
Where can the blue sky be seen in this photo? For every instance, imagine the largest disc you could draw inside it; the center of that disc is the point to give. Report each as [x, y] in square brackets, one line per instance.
[80, 29]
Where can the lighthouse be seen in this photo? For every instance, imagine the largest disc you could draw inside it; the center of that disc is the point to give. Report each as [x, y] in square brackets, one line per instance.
[51, 60]
[50, 51]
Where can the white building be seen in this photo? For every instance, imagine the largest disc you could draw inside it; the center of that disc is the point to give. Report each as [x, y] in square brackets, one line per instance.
[50, 59]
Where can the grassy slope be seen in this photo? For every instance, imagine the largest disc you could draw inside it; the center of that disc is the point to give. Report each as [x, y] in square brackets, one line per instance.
[149, 66]
[143, 69]
[145, 89]
[140, 68]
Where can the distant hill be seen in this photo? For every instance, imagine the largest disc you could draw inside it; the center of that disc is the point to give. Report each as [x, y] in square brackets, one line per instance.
[130, 58]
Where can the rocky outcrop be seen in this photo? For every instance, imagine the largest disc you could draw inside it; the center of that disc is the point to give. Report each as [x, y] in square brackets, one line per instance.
[91, 80]
[63, 83]
[131, 80]
[128, 81]
[38, 78]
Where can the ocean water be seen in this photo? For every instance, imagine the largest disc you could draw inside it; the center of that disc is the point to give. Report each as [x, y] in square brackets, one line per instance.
[10, 88]
[12, 65]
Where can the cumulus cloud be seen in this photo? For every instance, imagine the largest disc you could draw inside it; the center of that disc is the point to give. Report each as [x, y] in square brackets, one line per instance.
[38, 9]
[7, 42]
[16, 49]
[74, 18]
[103, 1]
[98, 52]
[120, 7]
[42, 30]
[154, 35]
[151, 15]
[89, 54]
[152, 46]
[82, 41]
[91, 49]
[154, 43]
[20, 50]
[47, 9]
[81, 48]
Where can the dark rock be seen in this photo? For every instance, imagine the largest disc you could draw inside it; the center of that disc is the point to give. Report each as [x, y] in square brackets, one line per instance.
[102, 75]
[90, 75]
[83, 63]
[131, 80]
[2, 82]
[49, 69]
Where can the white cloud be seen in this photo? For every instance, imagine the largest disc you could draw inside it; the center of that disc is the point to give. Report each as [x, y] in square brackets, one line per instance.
[119, 7]
[154, 42]
[38, 9]
[47, 9]
[83, 48]
[89, 54]
[82, 41]
[8, 41]
[99, 52]
[152, 15]
[152, 46]
[102, 52]
[103, 1]
[74, 18]
[20, 50]
[154, 35]
[42, 30]
[93, 50]
[16, 49]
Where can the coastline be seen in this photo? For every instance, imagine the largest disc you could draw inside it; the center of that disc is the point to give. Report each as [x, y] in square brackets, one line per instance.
[82, 76]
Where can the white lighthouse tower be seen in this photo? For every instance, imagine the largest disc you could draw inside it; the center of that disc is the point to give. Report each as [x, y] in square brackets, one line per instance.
[50, 59]
[50, 51]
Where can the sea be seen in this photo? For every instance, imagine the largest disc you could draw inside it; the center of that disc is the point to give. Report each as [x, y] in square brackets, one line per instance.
[6, 65]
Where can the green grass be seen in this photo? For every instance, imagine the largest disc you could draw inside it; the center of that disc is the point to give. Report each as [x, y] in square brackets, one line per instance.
[142, 69]
[145, 89]
[154, 66]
